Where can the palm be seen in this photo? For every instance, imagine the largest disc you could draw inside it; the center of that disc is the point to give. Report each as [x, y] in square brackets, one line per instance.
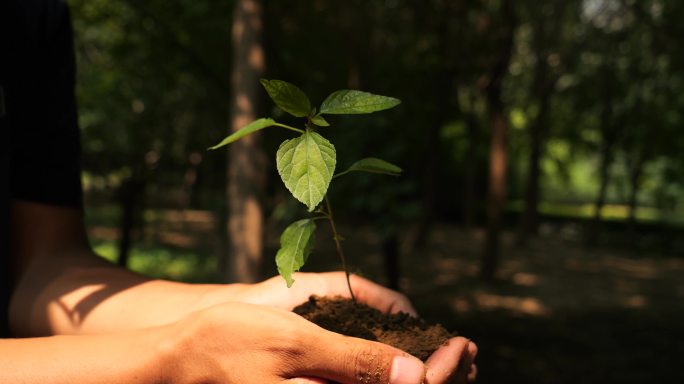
[274, 292]
[443, 364]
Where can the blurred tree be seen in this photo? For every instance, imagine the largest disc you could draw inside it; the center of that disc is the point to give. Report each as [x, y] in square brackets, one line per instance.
[436, 19]
[552, 49]
[246, 159]
[492, 85]
[611, 25]
[142, 89]
[577, 81]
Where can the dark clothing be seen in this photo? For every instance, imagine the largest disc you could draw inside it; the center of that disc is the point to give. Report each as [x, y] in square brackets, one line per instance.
[39, 137]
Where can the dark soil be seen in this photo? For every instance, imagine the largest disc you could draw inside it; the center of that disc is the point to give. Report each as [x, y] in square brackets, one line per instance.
[399, 330]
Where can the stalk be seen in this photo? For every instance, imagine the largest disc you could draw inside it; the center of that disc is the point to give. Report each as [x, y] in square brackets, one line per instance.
[338, 244]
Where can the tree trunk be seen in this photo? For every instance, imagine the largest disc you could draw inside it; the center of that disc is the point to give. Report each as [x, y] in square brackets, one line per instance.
[430, 175]
[635, 175]
[498, 155]
[246, 161]
[608, 138]
[470, 177]
[498, 158]
[390, 251]
[442, 85]
[530, 220]
[604, 177]
[130, 194]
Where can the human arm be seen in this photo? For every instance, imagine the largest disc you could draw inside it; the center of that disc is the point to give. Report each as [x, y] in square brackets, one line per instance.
[65, 289]
[229, 343]
[104, 358]
[232, 342]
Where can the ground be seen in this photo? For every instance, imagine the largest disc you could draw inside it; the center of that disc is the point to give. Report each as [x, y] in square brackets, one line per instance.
[558, 313]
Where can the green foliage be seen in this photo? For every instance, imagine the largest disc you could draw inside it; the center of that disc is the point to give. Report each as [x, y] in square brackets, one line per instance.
[150, 74]
[248, 129]
[373, 165]
[320, 121]
[295, 246]
[306, 163]
[288, 97]
[348, 102]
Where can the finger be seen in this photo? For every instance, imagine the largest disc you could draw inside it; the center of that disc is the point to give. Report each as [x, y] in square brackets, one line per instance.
[447, 362]
[305, 380]
[335, 284]
[374, 295]
[472, 368]
[465, 368]
[273, 291]
[472, 375]
[349, 360]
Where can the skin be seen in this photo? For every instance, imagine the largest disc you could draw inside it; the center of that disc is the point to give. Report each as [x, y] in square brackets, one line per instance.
[84, 320]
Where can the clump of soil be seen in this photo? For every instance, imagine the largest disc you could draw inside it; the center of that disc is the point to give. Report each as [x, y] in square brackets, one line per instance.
[399, 330]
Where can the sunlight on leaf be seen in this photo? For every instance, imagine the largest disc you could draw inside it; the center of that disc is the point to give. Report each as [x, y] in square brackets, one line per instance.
[306, 165]
[248, 129]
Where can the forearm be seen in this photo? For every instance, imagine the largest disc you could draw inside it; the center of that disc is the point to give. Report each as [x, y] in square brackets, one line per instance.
[130, 357]
[75, 292]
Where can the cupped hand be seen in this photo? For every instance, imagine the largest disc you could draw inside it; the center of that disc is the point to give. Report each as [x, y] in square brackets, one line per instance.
[273, 292]
[245, 343]
[451, 363]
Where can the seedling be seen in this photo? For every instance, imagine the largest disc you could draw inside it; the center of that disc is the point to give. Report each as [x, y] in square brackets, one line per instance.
[306, 164]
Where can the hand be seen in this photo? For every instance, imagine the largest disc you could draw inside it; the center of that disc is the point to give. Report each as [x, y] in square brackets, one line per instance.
[453, 361]
[273, 292]
[245, 343]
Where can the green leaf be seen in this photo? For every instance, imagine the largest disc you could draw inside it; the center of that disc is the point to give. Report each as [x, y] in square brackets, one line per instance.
[288, 97]
[250, 128]
[374, 165]
[320, 121]
[306, 165]
[347, 101]
[295, 246]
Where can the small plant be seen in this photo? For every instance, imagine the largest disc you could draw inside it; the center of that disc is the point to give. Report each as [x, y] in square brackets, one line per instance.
[306, 163]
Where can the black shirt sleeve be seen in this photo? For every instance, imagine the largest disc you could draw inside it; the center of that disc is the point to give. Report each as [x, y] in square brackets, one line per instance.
[46, 159]
[40, 157]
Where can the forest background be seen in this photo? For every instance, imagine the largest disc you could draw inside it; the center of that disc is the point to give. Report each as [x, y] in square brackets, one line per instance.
[541, 209]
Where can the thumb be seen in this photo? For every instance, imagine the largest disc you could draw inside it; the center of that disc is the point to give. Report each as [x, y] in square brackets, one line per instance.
[305, 380]
[349, 360]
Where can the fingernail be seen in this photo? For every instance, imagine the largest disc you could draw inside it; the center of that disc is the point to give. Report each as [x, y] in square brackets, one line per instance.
[406, 370]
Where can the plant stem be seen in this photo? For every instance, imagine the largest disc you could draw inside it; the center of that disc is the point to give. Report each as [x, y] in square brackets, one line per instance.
[288, 127]
[340, 252]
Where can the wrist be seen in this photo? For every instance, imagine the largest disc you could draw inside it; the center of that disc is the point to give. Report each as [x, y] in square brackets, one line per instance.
[152, 349]
[166, 353]
[179, 350]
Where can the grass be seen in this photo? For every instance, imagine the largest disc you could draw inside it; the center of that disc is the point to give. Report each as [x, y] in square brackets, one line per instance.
[164, 262]
[610, 212]
[200, 263]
